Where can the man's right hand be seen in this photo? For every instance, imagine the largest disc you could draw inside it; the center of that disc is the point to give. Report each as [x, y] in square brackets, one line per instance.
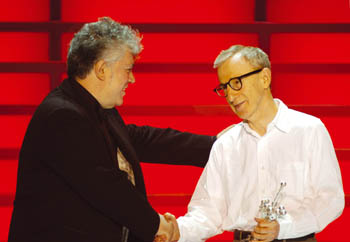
[168, 230]
[265, 230]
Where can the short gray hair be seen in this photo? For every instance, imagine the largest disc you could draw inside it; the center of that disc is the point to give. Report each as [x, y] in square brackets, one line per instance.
[104, 39]
[254, 55]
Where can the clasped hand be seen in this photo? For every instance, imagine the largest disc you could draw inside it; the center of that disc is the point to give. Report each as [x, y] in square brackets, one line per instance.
[168, 230]
[265, 230]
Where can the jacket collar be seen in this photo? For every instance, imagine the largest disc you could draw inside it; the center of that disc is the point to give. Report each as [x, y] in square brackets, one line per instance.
[83, 97]
[118, 128]
[93, 108]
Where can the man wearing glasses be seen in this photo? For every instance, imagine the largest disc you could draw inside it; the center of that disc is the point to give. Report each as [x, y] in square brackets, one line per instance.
[273, 145]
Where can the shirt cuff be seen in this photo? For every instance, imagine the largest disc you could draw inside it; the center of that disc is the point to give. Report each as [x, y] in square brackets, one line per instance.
[286, 225]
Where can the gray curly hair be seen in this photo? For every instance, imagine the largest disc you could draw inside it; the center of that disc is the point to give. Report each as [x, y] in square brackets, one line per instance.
[254, 55]
[104, 39]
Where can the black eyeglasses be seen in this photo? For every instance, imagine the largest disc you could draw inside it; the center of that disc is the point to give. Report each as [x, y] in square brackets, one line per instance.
[235, 83]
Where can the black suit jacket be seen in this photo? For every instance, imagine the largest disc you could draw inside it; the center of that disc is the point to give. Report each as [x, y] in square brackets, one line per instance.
[69, 185]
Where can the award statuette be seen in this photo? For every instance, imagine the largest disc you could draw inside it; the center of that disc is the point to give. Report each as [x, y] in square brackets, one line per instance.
[271, 210]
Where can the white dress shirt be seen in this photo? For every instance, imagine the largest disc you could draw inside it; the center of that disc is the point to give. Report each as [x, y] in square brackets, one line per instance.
[244, 168]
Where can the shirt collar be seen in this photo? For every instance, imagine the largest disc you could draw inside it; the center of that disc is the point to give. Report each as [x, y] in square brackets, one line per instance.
[280, 121]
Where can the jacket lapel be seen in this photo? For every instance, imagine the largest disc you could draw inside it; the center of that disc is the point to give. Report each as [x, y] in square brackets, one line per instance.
[116, 124]
[120, 134]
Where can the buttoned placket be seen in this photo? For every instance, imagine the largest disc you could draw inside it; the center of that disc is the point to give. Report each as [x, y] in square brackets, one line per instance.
[265, 183]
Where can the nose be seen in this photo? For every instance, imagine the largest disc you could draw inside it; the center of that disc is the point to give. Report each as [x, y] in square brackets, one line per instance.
[231, 94]
[131, 78]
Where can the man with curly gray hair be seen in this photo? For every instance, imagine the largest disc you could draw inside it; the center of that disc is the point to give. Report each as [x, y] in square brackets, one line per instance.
[79, 174]
[104, 39]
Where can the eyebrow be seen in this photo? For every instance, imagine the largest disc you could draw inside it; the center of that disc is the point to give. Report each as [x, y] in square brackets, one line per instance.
[129, 66]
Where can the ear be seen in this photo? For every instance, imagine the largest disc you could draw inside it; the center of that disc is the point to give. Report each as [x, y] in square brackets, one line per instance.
[266, 76]
[100, 70]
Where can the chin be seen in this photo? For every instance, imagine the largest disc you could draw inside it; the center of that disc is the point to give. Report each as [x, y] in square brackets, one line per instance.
[242, 115]
[119, 102]
[235, 112]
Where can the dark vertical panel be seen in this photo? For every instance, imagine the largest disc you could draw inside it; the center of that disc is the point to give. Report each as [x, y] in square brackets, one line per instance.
[55, 78]
[55, 45]
[264, 36]
[55, 10]
[264, 41]
[55, 34]
[260, 10]
[55, 41]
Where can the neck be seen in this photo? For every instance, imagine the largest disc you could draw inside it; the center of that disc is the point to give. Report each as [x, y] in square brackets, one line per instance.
[266, 112]
[91, 86]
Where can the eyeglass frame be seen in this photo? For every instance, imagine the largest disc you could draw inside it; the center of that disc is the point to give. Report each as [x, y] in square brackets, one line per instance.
[224, 86]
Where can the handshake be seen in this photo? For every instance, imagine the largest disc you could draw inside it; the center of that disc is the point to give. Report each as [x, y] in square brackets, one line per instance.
[168, 230]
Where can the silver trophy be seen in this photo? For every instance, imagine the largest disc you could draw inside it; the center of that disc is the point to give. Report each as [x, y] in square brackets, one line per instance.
[271, 210]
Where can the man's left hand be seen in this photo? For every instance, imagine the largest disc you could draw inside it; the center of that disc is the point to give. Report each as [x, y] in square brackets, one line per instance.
[265, 230]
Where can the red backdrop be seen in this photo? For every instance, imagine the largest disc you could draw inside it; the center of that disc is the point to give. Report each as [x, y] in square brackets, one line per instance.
[167, 94]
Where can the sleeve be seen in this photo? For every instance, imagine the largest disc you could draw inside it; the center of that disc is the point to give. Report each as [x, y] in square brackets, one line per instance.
[324, 197]
[169, 146]
[207, 208]
[71, 149]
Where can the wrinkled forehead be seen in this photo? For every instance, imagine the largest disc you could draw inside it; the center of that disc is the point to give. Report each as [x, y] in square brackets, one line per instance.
[234, 66]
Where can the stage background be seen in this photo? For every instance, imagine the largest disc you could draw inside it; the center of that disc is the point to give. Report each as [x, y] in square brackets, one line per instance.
[307, 41]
